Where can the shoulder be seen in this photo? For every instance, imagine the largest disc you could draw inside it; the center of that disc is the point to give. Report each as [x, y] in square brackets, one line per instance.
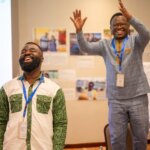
[49, 82]
[11, 85]
[50, 86]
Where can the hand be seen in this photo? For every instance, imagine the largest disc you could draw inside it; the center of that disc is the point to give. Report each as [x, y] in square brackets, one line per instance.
[77, 20]
[124, 10]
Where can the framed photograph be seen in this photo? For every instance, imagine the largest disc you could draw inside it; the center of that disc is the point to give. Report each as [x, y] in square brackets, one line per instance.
[51, 40]
[74, 47]
[90, 89]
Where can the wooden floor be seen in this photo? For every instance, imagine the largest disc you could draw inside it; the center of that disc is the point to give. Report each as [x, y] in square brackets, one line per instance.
[95, 148]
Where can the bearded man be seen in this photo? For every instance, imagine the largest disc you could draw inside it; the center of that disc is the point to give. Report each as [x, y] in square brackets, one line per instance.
[32, 107]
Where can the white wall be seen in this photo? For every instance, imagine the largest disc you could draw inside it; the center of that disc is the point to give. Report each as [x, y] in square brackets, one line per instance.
[5, 41]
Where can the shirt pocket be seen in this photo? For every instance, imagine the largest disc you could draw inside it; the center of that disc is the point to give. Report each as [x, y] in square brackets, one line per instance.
[15, 103]
[43, 104]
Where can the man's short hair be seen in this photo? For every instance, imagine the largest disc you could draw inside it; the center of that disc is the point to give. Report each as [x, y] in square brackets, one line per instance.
[35, 44]
[114, 15]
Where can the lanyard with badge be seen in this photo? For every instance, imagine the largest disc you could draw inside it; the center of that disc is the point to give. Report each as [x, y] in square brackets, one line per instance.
[22, 124]
[120, 76]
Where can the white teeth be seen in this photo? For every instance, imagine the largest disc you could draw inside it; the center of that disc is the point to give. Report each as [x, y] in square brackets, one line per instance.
[120, 32]
[27, 58]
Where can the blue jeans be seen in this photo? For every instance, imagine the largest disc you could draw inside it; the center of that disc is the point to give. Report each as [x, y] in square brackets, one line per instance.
[133, 111]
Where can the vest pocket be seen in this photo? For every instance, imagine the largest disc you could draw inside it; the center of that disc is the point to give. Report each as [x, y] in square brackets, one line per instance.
[15, 103]
[43, 104]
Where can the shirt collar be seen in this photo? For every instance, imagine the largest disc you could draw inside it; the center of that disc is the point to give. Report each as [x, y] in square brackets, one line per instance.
[40, 77]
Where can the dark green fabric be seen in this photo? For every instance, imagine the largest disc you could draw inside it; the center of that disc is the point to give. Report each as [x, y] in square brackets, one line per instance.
[43, 104]
[4, 115]
[29, 120]
[16, 103]
[59, 121]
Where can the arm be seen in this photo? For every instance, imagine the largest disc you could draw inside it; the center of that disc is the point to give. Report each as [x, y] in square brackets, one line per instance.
[124, 10]
[59, 121]
[143, 36]
[4, 115]
[77, 20]
[92, 48]
[88, 47]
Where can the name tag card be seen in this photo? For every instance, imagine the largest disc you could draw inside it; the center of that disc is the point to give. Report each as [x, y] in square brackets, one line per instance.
[120, 80]
[22, 130]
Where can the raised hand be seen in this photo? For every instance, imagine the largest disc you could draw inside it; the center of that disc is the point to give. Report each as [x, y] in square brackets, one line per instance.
[124, 10]
[77, 20]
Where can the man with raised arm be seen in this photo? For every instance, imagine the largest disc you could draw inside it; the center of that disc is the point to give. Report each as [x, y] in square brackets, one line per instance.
[127, 85]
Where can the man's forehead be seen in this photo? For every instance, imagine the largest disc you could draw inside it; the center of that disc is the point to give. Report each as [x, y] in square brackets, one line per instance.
[116, 18]
[29, 46]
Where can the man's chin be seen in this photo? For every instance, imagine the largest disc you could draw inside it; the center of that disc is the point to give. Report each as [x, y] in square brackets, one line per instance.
[27, 69]
[30, 66]
[120, 37]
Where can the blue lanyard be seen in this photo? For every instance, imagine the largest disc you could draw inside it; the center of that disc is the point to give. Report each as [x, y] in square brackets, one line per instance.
[122, 51]
[31, 95]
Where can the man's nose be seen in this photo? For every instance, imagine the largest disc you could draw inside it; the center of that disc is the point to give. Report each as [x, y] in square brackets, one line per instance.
[27, 51]
[119, 25]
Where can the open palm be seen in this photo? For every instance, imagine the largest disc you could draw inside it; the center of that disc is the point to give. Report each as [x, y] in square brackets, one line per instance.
[77, 20]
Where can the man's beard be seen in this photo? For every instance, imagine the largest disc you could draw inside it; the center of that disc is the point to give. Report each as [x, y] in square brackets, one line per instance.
[29, 66]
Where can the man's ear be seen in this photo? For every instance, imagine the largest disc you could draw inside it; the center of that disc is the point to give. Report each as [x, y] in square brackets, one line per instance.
[111, 30]
[129, 28]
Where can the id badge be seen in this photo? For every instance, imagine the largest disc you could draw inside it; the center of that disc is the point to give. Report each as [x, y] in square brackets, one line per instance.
[120, 80]
[22, 129]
